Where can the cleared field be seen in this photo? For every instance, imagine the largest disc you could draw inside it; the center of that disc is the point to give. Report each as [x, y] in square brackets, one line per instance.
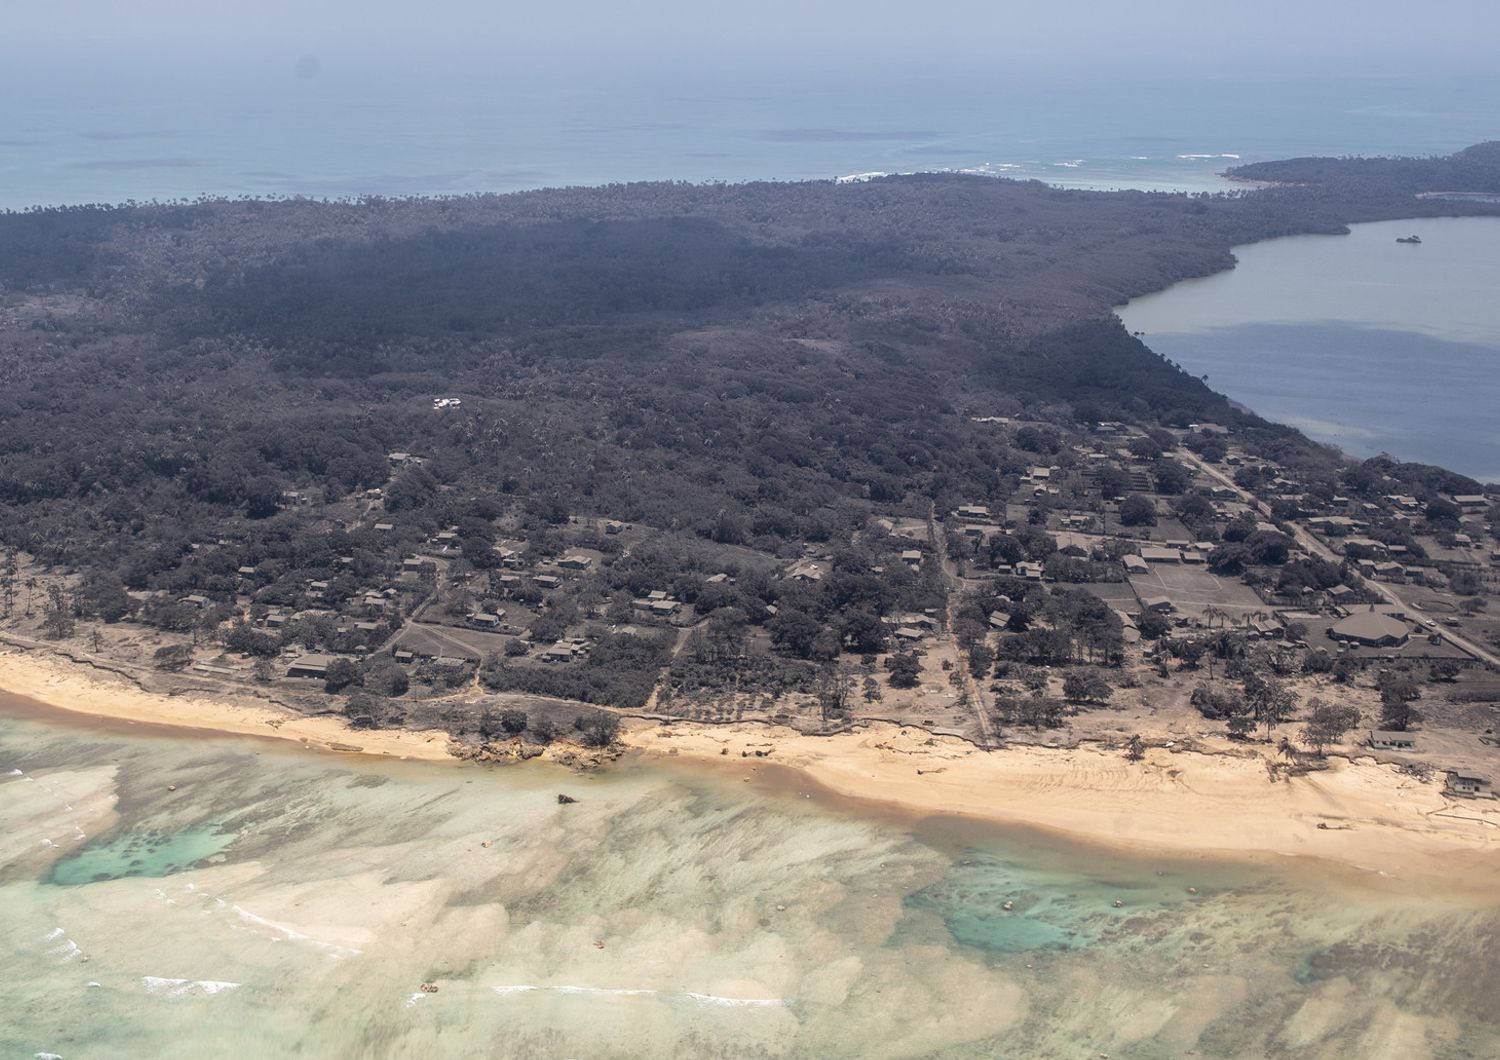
[445, 640]
[1194, 589]
[1118, 595]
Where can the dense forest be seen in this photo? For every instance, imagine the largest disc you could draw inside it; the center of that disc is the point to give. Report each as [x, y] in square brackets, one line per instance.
[760, 365]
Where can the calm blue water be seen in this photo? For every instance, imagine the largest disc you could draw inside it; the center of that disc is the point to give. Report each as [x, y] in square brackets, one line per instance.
[112, 134]
[1357, 340]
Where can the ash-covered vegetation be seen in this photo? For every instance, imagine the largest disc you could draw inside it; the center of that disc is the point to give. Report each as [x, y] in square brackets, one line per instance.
[236, 400]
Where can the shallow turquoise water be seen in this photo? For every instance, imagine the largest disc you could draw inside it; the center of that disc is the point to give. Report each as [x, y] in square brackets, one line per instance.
[141, 854]
[278, 902]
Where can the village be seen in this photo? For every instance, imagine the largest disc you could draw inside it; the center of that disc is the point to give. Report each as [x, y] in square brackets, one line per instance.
[1120, 588]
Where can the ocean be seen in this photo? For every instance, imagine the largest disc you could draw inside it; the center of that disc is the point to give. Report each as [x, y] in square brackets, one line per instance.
[123, 130]
[1359, 341]
[195, 896]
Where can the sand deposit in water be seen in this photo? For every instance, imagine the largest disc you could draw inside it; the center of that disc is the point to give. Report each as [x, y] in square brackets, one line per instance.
[279, 902]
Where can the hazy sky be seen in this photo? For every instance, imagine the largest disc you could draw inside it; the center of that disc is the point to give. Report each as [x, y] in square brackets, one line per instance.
[1146, 36]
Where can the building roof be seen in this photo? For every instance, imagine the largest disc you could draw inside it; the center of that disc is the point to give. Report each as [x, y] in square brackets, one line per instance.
[1370, 626]
[1069, 541]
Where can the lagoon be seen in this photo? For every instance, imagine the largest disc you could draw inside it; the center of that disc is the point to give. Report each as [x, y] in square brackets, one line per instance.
[1357, 340]
[290, 902]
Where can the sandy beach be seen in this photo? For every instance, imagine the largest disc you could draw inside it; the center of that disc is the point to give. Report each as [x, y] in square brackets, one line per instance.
[1359, 813]
[53, 684]
[1218, 802]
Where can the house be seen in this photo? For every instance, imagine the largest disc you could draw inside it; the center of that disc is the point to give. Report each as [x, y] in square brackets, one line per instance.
[575, 561]
[1370, 629]
[1029, 571]
[806, 571]
[1156, 554]
[912, 558]
[1464, 782]
[907, 634]
[973, 511]
[614, 526]
[384, 528]
[398, 459]
[1193, 556]
[214, 670]
[999, 620]
[1160, 604]
[1471, 501]
[547, 581]
[197, 600]
[314, 666]
[1075, 545]
[1136, 565]
[560, 652]
[1384, 740]
[246, 572]
[484, 620]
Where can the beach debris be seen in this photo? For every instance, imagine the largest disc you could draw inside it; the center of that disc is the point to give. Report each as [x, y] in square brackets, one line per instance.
[171, 787]
[1008, 906]
[1192, 890]
[781, 909]
[429, 988]
[1119, 904]
[598, 944]
[564, 800]
[485, 844]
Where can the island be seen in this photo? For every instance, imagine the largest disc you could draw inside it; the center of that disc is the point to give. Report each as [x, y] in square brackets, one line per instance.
[862, 475]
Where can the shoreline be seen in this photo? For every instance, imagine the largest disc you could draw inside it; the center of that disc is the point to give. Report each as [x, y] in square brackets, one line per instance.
[47, 686]
[1217, 802]
[1220, 803]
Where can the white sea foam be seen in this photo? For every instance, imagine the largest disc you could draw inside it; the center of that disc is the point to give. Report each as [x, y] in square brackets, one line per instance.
[754, 1002]
[418, 996]
[604, 991]
[292, 935]
[858, 178]
[14, 773]
[55, 933]
[180, 988]
[1200, 157]
[65, 953]
[48, 1056]
[1071, 164]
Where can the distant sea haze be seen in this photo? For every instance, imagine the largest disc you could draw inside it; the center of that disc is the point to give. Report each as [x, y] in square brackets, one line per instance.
[1368, 344]
[324, 129]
